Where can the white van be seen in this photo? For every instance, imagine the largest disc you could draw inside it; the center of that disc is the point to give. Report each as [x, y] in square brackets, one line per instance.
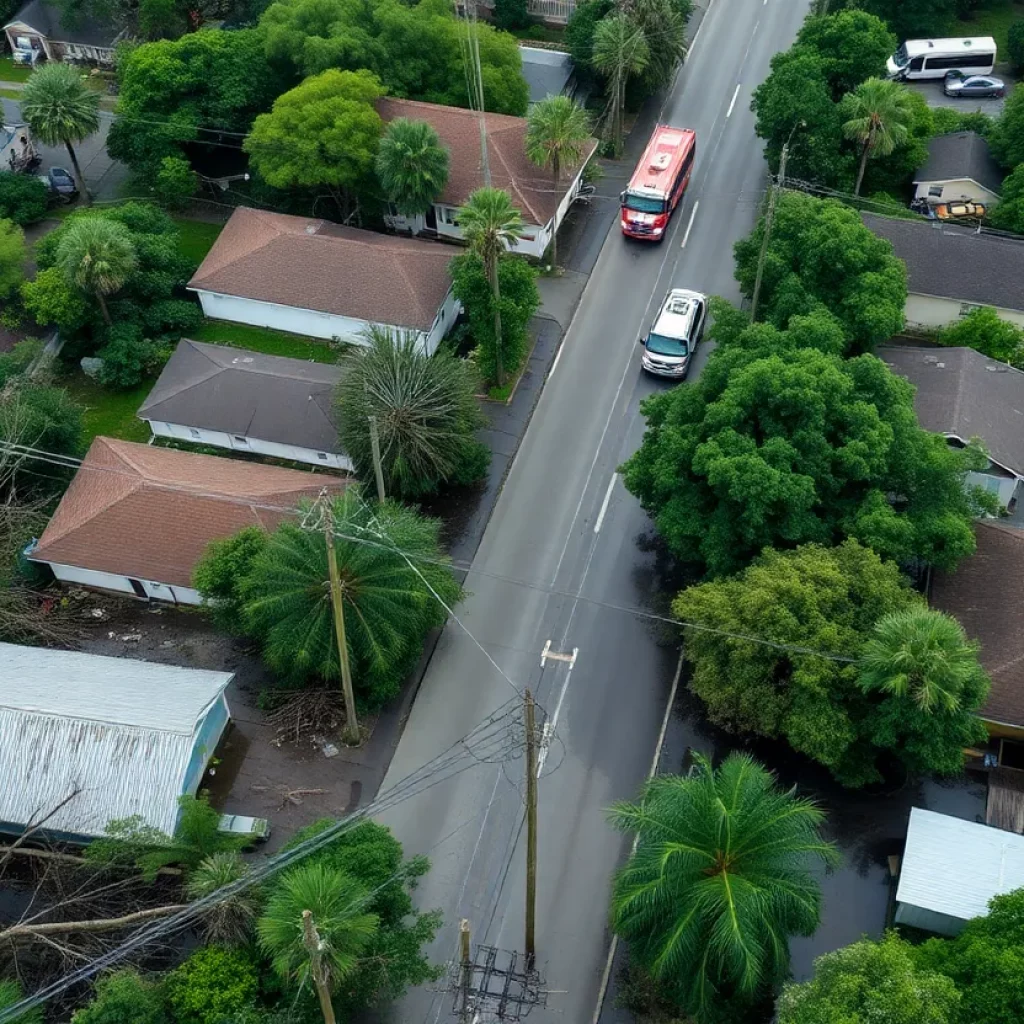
[932, 58]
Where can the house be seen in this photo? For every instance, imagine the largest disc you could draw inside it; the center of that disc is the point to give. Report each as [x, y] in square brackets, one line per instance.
[137, 518]
[983, 593]
[85, 740]
[321, 280]
[963, 395]
[555, 12]
[547, 72]
[39, 29]
[959, 167]
[953, 270]
[248, 402]
[950, 870]
[543, 207]
[17, 150]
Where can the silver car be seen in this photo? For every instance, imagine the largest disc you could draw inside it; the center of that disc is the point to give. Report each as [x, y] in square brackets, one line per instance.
[959, 85]
[670, 343]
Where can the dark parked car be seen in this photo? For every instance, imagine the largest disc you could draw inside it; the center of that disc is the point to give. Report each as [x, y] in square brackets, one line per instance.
[61, 184]
[957, 84]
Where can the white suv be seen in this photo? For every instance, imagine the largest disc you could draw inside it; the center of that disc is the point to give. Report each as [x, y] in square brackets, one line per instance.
[676, 333]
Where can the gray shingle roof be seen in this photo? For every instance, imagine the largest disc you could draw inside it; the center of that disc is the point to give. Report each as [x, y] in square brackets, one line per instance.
[47, 19]
[268, 398]
[955, 262]
[963, 393]
[961, 155]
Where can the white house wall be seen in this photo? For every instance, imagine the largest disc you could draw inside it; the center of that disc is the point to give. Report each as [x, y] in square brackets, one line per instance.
[446, 317]
[954, 191]
[273, 449]
[931, 311]
[122, 585]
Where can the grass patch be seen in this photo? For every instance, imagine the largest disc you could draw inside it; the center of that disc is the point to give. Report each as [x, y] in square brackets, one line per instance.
[270, 343]
[994, 21]
[109, 413]
[541, 34]
[11, 94]
[196, 237]
[11, 72]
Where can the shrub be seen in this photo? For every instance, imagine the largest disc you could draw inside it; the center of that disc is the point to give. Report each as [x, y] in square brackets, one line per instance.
[1015, 45]
[22, 198]
[12, 258]
[176, 182]
[179, 317]
[17, 361]
[222, 570]
[128, 357]
[511, 14]
[983, 330]
[212, 985]
[122, 997]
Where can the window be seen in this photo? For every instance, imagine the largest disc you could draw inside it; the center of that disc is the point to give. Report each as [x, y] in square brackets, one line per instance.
[451, 216]
[966, 308]
[240, 440]
[917, 63]
[935, 190]
[193, 431]
[322, 456]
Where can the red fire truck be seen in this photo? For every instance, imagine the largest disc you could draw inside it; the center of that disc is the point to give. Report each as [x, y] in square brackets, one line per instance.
[658, 183]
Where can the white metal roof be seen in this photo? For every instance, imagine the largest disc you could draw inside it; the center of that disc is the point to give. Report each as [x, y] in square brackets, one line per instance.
[119, 731]
[973, 44]
[955, 867]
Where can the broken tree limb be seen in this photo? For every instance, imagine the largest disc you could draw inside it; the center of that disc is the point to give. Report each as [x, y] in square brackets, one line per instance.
[103, 924]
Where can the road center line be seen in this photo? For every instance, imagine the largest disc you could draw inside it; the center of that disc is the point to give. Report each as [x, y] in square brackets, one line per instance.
[689, 226]
[607, 498]
[735, 96]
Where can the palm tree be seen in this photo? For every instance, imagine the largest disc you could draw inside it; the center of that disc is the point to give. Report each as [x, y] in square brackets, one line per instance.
[97, 256]
[557, 133]
[719, 880]
[229, 920]
[314, 928]
[490, 223]
[60, 110]
[878, 114]
[620, 51]
[924, 655]
[389, 605]
[412, 165]
[426, 412]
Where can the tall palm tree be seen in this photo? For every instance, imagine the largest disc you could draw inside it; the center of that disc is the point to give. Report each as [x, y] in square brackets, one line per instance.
[620, 51]
[426, 411]
[60, 110]
[877, 117]
[557, 133]
[922, 654]
[490, 223]
[229, 920]
[412, 165]
[314, 928]
[388, 603]
[719, 880]
[97, 256]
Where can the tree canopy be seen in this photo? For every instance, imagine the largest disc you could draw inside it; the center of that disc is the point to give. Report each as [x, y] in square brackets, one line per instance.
[1007, 136]
[412, 165]
[852, 46]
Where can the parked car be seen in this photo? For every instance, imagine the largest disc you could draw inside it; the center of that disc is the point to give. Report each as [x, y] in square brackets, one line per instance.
[959, 85]
[256, 829]
[61, 184]
[954, 211]
[677, 331]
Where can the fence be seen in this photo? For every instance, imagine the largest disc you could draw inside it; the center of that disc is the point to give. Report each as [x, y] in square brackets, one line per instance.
[548, 10]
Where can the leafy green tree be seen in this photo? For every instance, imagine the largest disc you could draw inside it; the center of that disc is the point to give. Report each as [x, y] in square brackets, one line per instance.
[876, 116]
[511, 14]
[412, 165]
[908, 19]
[22, 198]
[1007, 136]
[97, 257]
[985, 961]
[1015, 45]
[871, 981]
[43, 417]
[124, 996]
[852, 46]
[821, 254]
[519, 300]
[890, 175]
[620, 53]
[129, 357]
[1008, 213]
[230, 920]
[388, 603]
[579, 36]
[557, 136]
[426, 411]
[212, 985]
[985, 331]
[176, 182]
[336, 903]
[720, 879]
[664, 31]
[61, 110]
[10, 993]
[492, 225]
[12, 258]
[220, 573]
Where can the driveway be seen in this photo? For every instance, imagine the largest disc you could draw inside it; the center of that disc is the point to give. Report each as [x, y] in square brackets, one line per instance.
[935, 97]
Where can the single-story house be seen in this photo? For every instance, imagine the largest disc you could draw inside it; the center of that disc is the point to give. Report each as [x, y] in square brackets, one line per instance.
[322, 280]
[963, 395]
[42, 29]
[532, 189]
[952, 270]
[959, 167]
[137, 518]
[952, 868]
[983, 594]
[547, 72]
[247, 402]
[85, 740]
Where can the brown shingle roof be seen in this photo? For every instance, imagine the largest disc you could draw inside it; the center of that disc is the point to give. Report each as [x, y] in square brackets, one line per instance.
[530, 187]
[148, 513]
[313, 264]
[984, 594]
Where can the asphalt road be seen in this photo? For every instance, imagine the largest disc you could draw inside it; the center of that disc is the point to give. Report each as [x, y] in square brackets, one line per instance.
[564, 523]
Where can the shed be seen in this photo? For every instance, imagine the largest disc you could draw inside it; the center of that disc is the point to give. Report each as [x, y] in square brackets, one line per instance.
[547, 72]
[951, 868]
[960, 167]
[249, 402]
[88, 739]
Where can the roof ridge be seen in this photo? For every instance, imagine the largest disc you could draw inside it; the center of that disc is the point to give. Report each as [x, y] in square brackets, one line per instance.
[515, 186]
[216, 368]
[389, 244]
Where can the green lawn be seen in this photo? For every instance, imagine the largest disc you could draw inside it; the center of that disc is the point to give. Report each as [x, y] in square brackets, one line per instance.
[109, 413]
[11, 72]
[11, 94]
[271, 343]
[995, 22]
[197, 237]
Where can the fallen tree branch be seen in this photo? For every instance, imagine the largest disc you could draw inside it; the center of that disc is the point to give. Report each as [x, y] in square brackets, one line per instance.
[71, 858]
[103, 924]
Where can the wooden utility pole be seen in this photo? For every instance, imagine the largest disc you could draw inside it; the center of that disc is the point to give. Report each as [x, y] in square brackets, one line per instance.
[351, 731]
[531, 830]
[768, 221]
[311, 940]
[465, 971]
[378, 469]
